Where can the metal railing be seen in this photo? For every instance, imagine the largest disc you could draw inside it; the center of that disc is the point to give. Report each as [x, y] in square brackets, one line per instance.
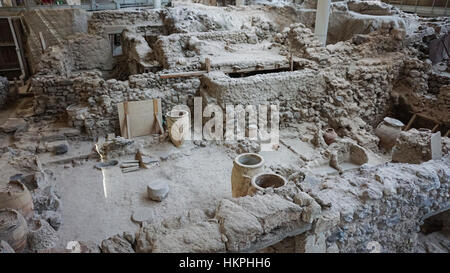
[422, 7]
[89, 5]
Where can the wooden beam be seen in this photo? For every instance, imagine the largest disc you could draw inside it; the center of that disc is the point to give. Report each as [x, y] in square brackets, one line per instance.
[183, 74]
[208, 65]
[43, 45]
[127, 119]
[413, 118]
[435, 127]
[224, 70]
[156, 112]
[291, 62]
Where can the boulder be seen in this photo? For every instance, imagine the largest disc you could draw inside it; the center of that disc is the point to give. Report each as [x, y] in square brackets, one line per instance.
[14, 125]
[116, 244]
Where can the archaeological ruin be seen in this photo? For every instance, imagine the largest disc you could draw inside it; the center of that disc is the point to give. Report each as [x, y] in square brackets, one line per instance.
[206, 126]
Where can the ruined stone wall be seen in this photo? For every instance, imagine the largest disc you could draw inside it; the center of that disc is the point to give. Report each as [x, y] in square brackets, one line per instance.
[103, 117]
[55, 25]
[53, 94]
[94, 99]
[138, 57]
[332, 89]
[373, 209]
[183, 51]
[436, 82]
[4, 91]
[79, 52]
[102, 22]
[385, 204]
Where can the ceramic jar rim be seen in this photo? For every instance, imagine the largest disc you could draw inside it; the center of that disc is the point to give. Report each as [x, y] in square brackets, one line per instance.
[22, 187]
[181, 113]
[10, 211]
[254, 166]
[393, 122]
[253, 181]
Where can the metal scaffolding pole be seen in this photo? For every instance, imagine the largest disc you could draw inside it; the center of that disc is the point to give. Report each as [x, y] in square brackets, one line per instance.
[322, 17]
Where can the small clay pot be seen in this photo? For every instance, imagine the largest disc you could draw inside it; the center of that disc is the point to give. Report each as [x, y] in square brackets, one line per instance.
[16, 196]
[263, 181]
[245, 166]
[13, 229]
[329, 136]
[388, 131]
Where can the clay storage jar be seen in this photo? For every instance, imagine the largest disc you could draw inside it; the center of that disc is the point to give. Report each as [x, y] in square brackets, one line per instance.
[388, 131]
[329, 136]
[245, 166]
[178, 120]
[16, 196]
[13, 229]
[262, 181]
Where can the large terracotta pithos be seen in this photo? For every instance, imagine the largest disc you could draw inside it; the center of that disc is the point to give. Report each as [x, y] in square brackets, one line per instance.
[388, 131]
[178, 126]
[263, 181]
[13, 229]
[16, 196]
[245, 166]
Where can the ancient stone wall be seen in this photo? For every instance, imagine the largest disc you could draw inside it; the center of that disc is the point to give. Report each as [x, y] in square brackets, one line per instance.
[55, 25]
[184, 51]
[368, 210]
[94, 99]
[103, 22]
[4, 91]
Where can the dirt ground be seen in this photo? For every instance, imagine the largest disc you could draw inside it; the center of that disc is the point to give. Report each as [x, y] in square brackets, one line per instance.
[98, 204]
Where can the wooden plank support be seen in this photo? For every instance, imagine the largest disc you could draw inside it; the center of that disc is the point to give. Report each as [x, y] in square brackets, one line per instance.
[155, 112]
[43, 45]
[208, 65]
[435, 127]
[413, 118]
[291, 62]
[127, 119]
[183, 75]
[447, 134]
[202, 72]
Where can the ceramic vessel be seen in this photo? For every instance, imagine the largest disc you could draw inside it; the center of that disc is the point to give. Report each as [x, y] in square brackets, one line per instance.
[178, 126]
[16, 196]
[329, 136]
[388, 131]
[76, 114]
[13, 229]
[263, 181]
[245, 166]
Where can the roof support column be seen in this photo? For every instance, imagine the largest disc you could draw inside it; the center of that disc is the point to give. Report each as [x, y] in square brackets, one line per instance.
[322, 18]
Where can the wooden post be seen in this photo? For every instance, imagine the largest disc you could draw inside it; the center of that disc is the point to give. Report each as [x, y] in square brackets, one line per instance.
[445, 47]
[435, 128]
[291, 62]
[158, 121]
[208, 65]
[127, 119]
[43, 45]
[413, 118]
